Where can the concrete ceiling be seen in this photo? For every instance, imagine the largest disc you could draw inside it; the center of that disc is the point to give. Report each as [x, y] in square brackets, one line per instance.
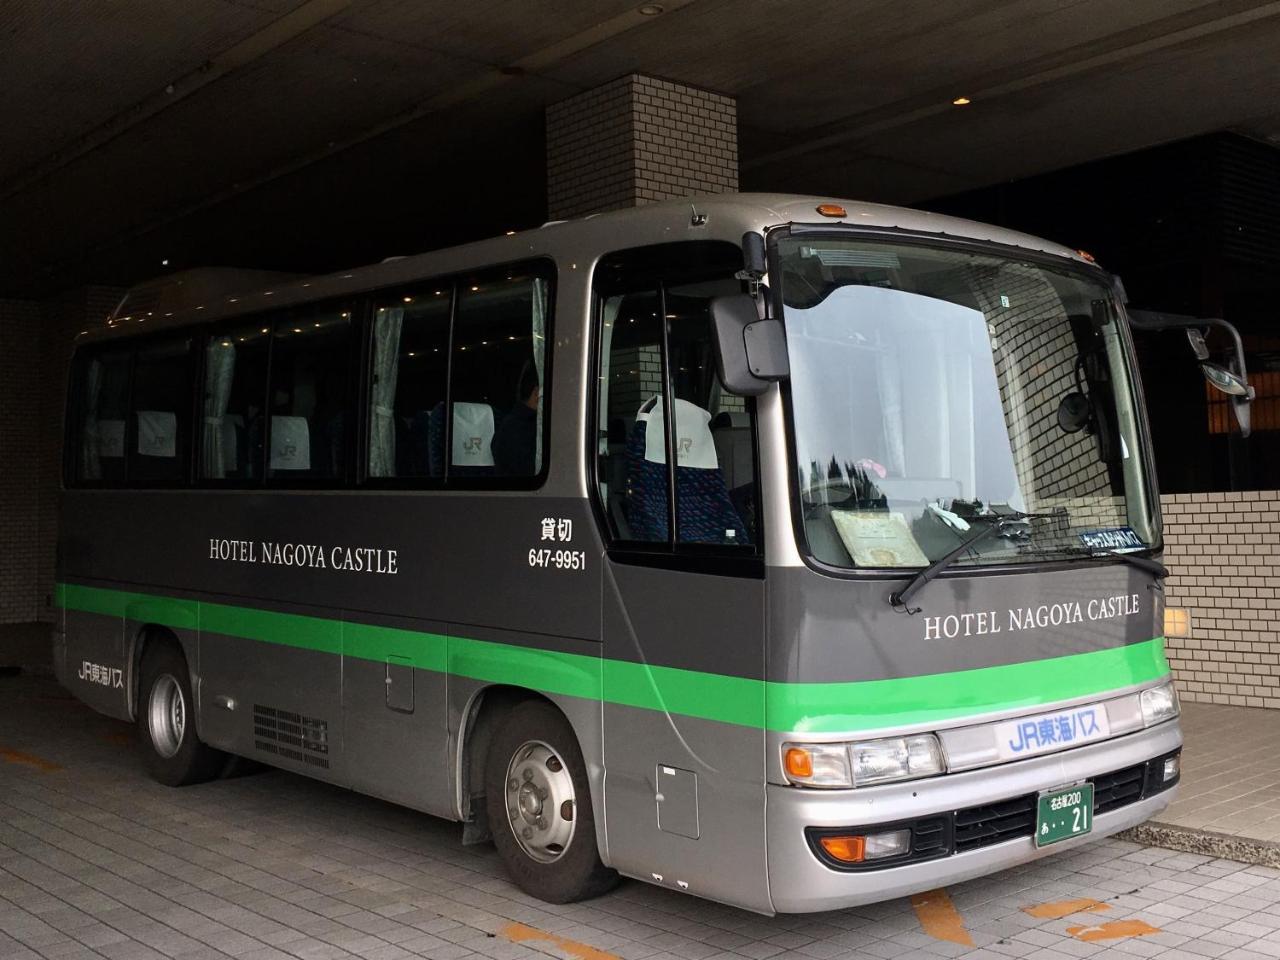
[303, 134]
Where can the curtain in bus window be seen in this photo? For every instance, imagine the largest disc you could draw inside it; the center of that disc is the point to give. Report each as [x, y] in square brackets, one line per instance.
[382, 424]
[539, 360]
[887, 371]
[90, 465]
[220, 368]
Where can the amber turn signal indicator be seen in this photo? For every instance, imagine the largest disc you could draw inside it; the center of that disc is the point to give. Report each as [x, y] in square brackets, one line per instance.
[845, 849]
[798, 763]
[832, 210]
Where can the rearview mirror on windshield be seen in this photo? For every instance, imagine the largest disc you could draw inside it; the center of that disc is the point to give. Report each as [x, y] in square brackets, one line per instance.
[751, 353]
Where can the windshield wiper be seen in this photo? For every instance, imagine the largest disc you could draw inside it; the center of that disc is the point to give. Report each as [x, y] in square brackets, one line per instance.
[997, 524]
[1153, 567]
[899, 598]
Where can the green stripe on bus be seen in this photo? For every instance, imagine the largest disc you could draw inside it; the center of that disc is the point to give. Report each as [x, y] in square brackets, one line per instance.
[865, 704]
[784, 707]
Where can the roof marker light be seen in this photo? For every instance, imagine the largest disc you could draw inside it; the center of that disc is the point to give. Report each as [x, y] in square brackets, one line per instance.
[831, 210]
[961, 102]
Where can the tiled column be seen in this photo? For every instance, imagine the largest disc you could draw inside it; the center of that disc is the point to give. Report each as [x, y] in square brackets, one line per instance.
[1223, 552]
[636, 140]
[62, 318]
[20, 449]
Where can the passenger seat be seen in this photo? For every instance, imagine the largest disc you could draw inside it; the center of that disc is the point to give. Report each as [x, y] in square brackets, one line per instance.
[705, 512]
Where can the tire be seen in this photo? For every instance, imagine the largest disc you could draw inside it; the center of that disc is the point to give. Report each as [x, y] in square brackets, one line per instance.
[535, 749]
[172, 753]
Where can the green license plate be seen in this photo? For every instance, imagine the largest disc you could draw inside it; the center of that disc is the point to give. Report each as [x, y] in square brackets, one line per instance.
[1062, 814]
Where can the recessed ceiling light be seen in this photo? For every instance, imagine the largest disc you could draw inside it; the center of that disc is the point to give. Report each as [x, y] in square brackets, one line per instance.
[961, 101]
[652, 9]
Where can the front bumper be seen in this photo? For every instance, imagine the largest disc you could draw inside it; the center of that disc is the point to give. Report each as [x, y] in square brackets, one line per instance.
[800, 883]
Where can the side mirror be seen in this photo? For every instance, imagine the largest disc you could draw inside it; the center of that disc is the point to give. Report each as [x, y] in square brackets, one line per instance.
[1226, 381]
[750, 353]
[1198, 346]
[1234, 382]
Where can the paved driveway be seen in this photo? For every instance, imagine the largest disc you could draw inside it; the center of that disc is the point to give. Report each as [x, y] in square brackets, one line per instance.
[97, 861]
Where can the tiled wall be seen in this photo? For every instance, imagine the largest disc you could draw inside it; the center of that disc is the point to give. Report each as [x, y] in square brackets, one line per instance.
[1223, 552]
[20, 452]
[636, 140]
[33, 378]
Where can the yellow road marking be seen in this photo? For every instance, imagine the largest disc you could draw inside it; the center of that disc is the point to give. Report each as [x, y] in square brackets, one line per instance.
[30, 759]
[1064, 908]
[519, 933]
[940, 918]
[1113, 930]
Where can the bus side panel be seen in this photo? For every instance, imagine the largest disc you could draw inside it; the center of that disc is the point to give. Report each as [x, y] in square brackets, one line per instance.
[394, 709]
[96, 665]
[274, 702]
[684, 743]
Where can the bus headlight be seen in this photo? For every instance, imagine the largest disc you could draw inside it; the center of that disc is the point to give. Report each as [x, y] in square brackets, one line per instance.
[897, 758]
[817, 764]
[861, 764]
[1160, 704]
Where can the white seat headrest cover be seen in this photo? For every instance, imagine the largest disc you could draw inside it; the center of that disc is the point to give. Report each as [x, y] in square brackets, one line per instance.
[695, 446]
[472, 435]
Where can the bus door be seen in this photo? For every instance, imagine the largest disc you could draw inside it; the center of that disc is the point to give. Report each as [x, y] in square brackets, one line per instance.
[683, 605]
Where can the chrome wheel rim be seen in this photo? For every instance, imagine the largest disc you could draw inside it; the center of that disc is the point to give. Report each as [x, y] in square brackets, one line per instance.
[166, 715]
[540, 800]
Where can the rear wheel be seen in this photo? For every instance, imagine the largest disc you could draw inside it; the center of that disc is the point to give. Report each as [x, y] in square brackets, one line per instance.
[166, 722]
[539, 806]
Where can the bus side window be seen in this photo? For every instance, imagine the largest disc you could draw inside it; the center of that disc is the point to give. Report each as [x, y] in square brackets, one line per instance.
[654, 323]
[407, 385]
[631, 470]
[103, 398]
[160, 428]
[307, 402]
[716, 479]
[232, 429]
[498, 396]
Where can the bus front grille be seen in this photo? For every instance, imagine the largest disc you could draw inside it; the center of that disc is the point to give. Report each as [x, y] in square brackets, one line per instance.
[995, 823]
[972, 828]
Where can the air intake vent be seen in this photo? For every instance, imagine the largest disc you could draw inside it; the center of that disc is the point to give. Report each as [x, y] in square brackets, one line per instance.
[291, 735]
[995, 823]
[1118, 789]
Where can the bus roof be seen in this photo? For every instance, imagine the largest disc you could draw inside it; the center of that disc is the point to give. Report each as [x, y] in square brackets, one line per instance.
[714, 217]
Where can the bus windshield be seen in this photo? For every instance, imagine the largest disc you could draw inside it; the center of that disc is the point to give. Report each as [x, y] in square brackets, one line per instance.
[938, 390]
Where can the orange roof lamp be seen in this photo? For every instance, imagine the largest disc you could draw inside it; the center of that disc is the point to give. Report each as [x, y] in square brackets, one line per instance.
[832, 210]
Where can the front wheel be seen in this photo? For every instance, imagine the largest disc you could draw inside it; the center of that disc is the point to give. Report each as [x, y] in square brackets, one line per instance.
[539, 806]
[166, 722]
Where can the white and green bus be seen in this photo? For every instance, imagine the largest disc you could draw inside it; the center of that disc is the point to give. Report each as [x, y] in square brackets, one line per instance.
[876, 607]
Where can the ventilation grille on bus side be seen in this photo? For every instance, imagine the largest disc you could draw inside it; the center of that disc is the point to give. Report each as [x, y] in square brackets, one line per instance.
[291, 735]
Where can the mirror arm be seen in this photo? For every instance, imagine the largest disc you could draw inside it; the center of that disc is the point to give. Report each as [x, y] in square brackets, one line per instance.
[1155, 321]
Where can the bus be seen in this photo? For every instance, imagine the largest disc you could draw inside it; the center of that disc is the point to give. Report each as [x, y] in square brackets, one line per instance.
[788, 552]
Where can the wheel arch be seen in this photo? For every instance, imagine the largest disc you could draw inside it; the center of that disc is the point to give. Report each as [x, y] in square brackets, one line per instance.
[481, 715]
[144, 637]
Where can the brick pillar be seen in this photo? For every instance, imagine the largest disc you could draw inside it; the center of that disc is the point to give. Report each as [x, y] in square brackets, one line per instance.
[635, 140]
